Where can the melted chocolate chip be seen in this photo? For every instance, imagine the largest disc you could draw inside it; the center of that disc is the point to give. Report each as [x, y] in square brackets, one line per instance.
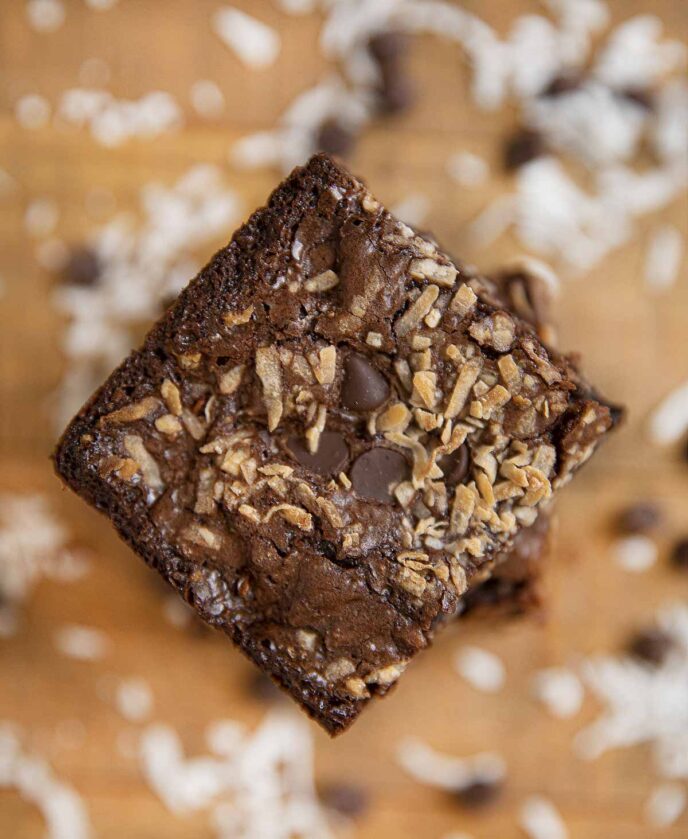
[329, 460]
[335, 138]
[560, 85]
[522, 147]
[478, 793]
[679, 555]
[376, 470]
[348, 799]
[651, 646]
[83, 267]
[455, 466]
[638, 518]
[364, 388]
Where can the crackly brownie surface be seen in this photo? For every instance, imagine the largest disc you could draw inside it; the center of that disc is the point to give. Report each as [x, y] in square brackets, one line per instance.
[329, 438]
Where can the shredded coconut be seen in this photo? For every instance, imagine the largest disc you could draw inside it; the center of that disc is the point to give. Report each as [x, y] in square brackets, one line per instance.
[635, 553]
[140, 266]
[63, 811]
[82, 642]
[669, 421]
[665, 804]
[207, 98]
[32, 111]
[134, 699]
[467, 169]
[259, 784]
[254, 43]
[643, 704]
[33, 544]
[663, 258]
[413, 209]
[560, 690]
[45, 15]
[435, 769]
[480, 668]
[540, 819]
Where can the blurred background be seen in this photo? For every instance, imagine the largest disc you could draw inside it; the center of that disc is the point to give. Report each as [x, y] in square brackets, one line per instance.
[135, 135]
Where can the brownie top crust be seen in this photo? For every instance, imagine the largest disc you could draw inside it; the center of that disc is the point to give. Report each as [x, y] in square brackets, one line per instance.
[330, 438]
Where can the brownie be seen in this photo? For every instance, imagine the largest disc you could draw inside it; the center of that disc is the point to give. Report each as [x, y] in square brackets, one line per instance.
[330, 438]
[513, 589]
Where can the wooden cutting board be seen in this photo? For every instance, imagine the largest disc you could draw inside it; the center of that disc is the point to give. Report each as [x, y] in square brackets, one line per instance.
[635, 350]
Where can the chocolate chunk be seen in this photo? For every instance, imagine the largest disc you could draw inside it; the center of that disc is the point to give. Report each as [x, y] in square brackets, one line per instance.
[389, 49]
[679, 555]
[350, 800]
[640, 96]
[376, 470]
[83, 267]
[638, 518]
[329, 460]
[651, 646]
[522, 147]
[478, 793]
[455, 466]
[364, 387]
[335, 138]
[563, 84]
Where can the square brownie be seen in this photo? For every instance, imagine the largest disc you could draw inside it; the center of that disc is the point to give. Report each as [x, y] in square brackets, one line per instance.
[331, 437]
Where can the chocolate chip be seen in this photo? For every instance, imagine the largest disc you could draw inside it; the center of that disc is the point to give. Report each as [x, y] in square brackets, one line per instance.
[478, 793]
[679, 555]
[560, 85]
[83, 268]
[388, 49]
[522, 147]
[331, 457]
[335, 138]
[651, 646]
[350, 800]
[364, 387]
[639, 96]
[376, 470]
[638, 518]
[455, 466]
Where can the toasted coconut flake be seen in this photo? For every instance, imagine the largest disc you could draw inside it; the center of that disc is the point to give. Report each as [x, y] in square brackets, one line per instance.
[294, 515]
[430, 269]
[238, 318]
[357, 687]
[462, 509]
[150, 472]
[509, 371]
[270, 374]
[172, 396]
[425, 388]
[374, 339]
[324, 281]
[338, 669]
[131, 413]
[395, 418]
[230, 380]
[386, 675]
[193, 424]
[205, 492]
[467, 377]
[325, 365]
[417, 311]
[250, 513]
[463, 301]
[168, 424]
[331, 512]
[202, 536]
[411, 581]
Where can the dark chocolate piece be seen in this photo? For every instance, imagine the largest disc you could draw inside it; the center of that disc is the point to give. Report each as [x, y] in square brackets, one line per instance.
[364, 388]
[651, 646]
[351, 800]
[186, 447]
[83, 267]
[641, 517]
[329, 459]
[521, 147]
[376, 472]
[679, 554]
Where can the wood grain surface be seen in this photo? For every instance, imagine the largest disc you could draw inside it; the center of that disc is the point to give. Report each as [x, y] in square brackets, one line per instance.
[634, 347]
